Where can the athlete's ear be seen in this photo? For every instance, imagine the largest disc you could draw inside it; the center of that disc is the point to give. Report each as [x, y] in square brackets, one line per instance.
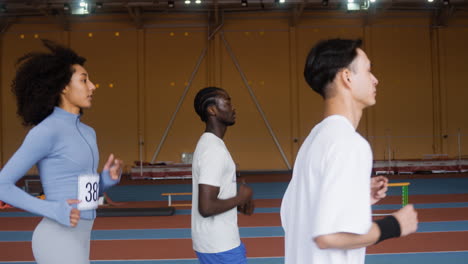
[345, 77]
[65, 89]
[211, 110]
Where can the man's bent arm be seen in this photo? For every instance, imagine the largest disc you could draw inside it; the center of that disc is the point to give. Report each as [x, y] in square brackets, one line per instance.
[348, 240]
[209, 204]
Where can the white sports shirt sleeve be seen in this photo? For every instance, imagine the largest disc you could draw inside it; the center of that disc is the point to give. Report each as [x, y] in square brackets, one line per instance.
[345, 191]
[211, 165]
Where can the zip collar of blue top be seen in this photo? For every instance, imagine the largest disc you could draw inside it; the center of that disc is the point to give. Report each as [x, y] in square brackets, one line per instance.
[60, 112]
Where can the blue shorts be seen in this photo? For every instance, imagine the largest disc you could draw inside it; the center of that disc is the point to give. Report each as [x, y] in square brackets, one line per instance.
[234, 256]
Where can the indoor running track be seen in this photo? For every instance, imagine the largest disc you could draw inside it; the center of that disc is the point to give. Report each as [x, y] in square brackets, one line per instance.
[442, 237]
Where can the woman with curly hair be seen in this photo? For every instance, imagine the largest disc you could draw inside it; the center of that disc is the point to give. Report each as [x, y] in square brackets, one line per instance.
[52, 89]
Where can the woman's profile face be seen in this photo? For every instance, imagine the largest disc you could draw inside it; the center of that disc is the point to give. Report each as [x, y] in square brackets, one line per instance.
[79, 91]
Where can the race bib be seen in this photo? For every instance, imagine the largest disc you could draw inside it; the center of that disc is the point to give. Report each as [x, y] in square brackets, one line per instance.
[88, 191]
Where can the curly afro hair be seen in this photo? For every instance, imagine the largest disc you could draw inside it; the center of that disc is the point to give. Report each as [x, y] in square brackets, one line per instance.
[40, 79]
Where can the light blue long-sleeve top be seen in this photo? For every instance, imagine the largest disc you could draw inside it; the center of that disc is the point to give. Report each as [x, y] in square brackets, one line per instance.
[63, 148]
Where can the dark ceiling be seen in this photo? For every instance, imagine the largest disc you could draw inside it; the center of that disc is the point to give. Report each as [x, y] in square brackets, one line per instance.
[11, 10]
[47, 7]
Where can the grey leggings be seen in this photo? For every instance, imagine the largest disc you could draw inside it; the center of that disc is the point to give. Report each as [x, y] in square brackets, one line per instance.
[53, 243]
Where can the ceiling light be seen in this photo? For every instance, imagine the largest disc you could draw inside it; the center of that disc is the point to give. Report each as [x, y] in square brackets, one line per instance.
[82, 9]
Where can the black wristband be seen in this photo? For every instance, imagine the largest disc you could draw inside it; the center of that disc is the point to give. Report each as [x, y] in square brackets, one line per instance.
[389, 227]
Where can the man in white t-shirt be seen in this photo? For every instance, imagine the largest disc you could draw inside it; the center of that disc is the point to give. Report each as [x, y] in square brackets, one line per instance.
[215, 199]
[326, 210]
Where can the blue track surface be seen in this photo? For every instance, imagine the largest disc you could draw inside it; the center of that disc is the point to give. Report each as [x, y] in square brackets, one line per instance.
[275, 190]
[277, 209]
[176, 233]
[403, 258]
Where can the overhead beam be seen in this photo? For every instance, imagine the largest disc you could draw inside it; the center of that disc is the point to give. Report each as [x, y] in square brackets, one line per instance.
[63, 20]
[56, 15]
[5, 23]
[297, 12]
[441, 16]
[371, 13]
[136, 14]
[216, 11]
[215, 20]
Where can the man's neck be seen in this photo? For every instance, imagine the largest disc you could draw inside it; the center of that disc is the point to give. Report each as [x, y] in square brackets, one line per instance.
[216, 128]
[339, 105]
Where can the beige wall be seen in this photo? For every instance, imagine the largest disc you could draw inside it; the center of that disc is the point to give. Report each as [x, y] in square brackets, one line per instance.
[171, 55]
[262, 54]
[401, 57]
[453, 69]
[142, 74]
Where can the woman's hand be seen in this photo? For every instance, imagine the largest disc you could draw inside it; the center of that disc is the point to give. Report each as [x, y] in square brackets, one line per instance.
[114, 166]
[75, 213]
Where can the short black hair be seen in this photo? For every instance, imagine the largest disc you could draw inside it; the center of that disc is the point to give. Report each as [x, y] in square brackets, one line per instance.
[326, 59]
[204, 98]
[40, 79]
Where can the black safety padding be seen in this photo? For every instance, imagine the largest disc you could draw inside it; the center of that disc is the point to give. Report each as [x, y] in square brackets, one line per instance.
[151, 211]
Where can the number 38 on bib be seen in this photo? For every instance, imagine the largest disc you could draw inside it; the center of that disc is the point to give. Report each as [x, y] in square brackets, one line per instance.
[88, 191]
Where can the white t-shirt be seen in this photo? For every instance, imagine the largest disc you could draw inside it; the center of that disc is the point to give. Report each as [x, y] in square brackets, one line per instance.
[329, 193]
[212, 165]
